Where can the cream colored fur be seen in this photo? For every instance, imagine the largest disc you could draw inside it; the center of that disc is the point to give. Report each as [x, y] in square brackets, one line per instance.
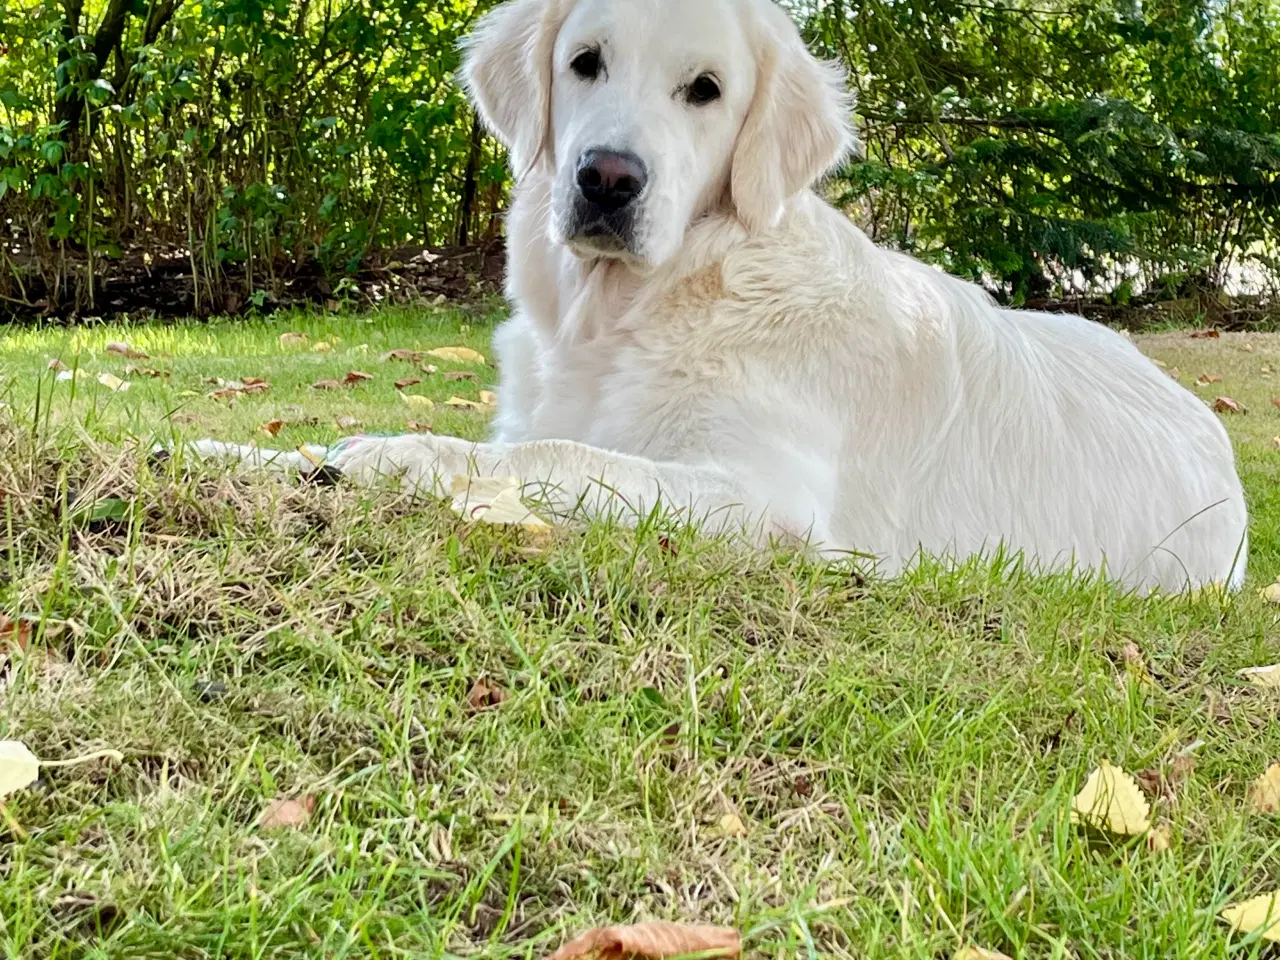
[758, 362]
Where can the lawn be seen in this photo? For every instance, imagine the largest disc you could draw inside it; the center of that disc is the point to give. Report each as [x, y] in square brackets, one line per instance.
[492, 747]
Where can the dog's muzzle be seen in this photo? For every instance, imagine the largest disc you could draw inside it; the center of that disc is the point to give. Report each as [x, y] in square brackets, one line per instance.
[610, 184]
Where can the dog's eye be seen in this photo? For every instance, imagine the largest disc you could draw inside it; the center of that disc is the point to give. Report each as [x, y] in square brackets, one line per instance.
[586, 64]
[703, 90]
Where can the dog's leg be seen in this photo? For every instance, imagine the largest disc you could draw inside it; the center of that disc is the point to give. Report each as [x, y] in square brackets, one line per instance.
[566, 476]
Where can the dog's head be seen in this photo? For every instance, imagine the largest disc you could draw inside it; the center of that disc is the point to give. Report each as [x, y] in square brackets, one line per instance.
[647, 114]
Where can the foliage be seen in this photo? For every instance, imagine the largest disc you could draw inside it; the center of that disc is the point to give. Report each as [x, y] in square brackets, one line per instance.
[1037, 145]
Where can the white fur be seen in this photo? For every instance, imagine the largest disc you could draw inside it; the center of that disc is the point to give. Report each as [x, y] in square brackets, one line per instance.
[756, 359]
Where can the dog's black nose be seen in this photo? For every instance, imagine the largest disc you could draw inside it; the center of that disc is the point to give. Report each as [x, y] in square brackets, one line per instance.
[610, 180]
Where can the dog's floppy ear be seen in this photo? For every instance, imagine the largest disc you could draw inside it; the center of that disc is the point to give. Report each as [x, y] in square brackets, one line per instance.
[797, 128]
[507, 71]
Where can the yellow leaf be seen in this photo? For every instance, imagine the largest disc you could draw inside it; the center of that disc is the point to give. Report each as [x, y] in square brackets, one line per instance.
[417, 402]
[19, 767]
[1112, 801]
[1271, 592]
[1260, 915]
[292, 339]
[463, 404]
[494, 500]
[1263, 676]
[977, 953]
[457, 355]
[321, 347]
[112, 382]
[731, 825]
[1264, 795]
[489, 397]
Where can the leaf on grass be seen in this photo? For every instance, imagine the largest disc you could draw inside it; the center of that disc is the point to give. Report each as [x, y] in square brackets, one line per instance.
[978, 953]
[15, 634]
[494, 500]
[417, 402]
[273, 428]
[457, 355]
[456, 375]
[293, 339]
[461, 403]
[19, 767]
[1264, 795]
[130, 370]
[1268, 677]
[326, 385]
[408, 382]
[356, 376]
[1275, 402]
[656, 941]
[488, 398]
[1205, 379]
[1260, 915]
[414, 427]
[321, 346]
[1227, 405]
[731, 825]
[229, 394]
[252, 385]
[287, 814]
[57, 365]
[348, 423]
[1276, 442]
[1159, 839]
[112, 382]
[1271, 592]
[1205, 334]
[408, 356]
[1112, 801]
[486, 693]
[128, 352]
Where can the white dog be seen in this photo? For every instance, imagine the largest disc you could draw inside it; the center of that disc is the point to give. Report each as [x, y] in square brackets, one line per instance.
[692, 323]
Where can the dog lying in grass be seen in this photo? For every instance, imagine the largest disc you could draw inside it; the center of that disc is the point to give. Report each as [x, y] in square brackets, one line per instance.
[694, 327]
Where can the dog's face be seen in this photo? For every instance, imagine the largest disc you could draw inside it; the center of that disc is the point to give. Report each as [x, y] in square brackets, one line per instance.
[647, 114]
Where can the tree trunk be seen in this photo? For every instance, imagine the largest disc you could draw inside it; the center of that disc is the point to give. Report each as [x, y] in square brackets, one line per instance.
[469, 181]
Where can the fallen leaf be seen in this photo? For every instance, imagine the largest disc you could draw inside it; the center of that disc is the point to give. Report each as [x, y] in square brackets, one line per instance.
[493, 500]
[326, 385]
[229, 394]
[1268, 677]
[112, 382]
[273, 428]
[134, 371]
[1111, 800]
[348, 423]
[1205, 335]
[1227, 405]
[1275, 401]
[56, 364]
[455, 375]
[126, 351]
[460, 403]
[1260, 915]
[731, 825]
[19, 767]
[252, 385]
[287, 814]
[486, 693]
[1264, 795]
[293, 339]
[1271, 592]
[1205, 379]
[489, 398]
[1276, 441]
[408, 356]
[978, 953]
[1151, 782]
[408, 382]
[415, 427]
[1159, 839]
[457, 355]
[15, 633]
[656, 941]
[417, 402]
[321, 347]
[356, 376]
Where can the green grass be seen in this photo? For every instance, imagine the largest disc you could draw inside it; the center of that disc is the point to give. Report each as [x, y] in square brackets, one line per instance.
[902, 753]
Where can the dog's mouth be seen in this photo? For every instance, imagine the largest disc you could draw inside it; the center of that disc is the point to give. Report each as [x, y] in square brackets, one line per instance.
[595, 233]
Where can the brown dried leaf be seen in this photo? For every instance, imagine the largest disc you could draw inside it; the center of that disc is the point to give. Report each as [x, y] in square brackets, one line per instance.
[293, 339]
[252, 385]
[326, 385]
[1227, 405]
[15, 634]
[1206, 378]
[128, 352]
[58, 365]
[408, 356]
[273, 428]
[486, 693]
[408, 382]
[134, 371]
[1275, 402]
[653, 940]
[1205, 334]
[414, 427]
[229, 394]
[1264, 795]
[356, 376]
[1151, 782]
[287, 814]
[1159, 839]
[455, 375]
